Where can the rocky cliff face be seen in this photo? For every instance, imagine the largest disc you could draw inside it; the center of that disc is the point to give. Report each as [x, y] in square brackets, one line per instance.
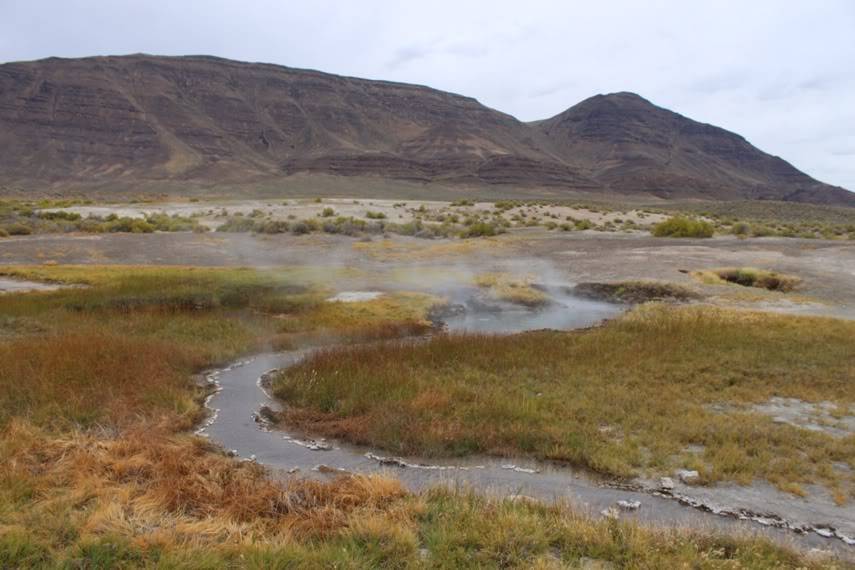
[117, 120]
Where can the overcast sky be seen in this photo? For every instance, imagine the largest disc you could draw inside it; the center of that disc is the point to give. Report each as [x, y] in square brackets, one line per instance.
[779, 72]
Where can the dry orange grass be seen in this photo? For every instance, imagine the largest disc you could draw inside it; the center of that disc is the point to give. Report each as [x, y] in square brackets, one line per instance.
[152, 499]
[163, 489]
[123, 350]
[87, 377]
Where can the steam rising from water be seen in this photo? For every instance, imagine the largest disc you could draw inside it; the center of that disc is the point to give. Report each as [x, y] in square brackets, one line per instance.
[355, 275]
[564, 313]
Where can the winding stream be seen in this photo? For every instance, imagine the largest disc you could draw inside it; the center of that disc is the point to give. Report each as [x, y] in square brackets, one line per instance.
[235, 424]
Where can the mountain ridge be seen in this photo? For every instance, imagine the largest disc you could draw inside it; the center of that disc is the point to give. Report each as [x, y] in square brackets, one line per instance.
[204, 119]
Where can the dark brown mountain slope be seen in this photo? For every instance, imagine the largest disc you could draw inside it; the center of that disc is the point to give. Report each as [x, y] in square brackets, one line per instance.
[202, 118]
[631, 145]
[208, 121]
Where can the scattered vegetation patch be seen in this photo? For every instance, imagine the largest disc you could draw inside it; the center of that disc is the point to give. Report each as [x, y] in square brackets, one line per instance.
[635, 292]
[550, 394]
[351, 226]
[749, 277]
[24, 219]
[682, 227]
[765, 218]
[768, 211]
[453, 219]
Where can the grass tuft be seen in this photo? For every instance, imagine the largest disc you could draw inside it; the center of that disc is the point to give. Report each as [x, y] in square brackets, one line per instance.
[682, 227]
[749, 277]
[635, 291]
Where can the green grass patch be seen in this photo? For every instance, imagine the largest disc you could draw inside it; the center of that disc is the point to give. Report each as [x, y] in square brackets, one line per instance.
[624, 399]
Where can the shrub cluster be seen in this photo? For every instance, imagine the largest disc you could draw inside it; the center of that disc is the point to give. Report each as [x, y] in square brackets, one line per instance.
[682, 227]
[480, 229]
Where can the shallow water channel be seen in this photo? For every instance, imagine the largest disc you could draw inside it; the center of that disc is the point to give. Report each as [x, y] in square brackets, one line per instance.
[235, 423]
[8, 285]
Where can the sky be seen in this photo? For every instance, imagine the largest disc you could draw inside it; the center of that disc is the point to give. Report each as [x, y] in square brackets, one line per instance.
[779, 72]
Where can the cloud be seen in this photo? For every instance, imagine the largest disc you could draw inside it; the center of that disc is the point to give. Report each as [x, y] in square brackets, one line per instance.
[415, 53]
[724, 81]
[409, 54]
[550, 89]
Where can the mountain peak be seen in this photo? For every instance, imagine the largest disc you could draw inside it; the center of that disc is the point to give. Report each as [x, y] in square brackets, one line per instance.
[621, 96]
[622, 101]
[632, 145]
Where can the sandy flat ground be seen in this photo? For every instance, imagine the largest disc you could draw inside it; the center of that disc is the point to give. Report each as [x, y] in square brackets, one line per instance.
[827, 268]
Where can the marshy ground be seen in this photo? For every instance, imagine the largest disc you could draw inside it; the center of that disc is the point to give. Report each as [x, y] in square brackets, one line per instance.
[751, 386]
